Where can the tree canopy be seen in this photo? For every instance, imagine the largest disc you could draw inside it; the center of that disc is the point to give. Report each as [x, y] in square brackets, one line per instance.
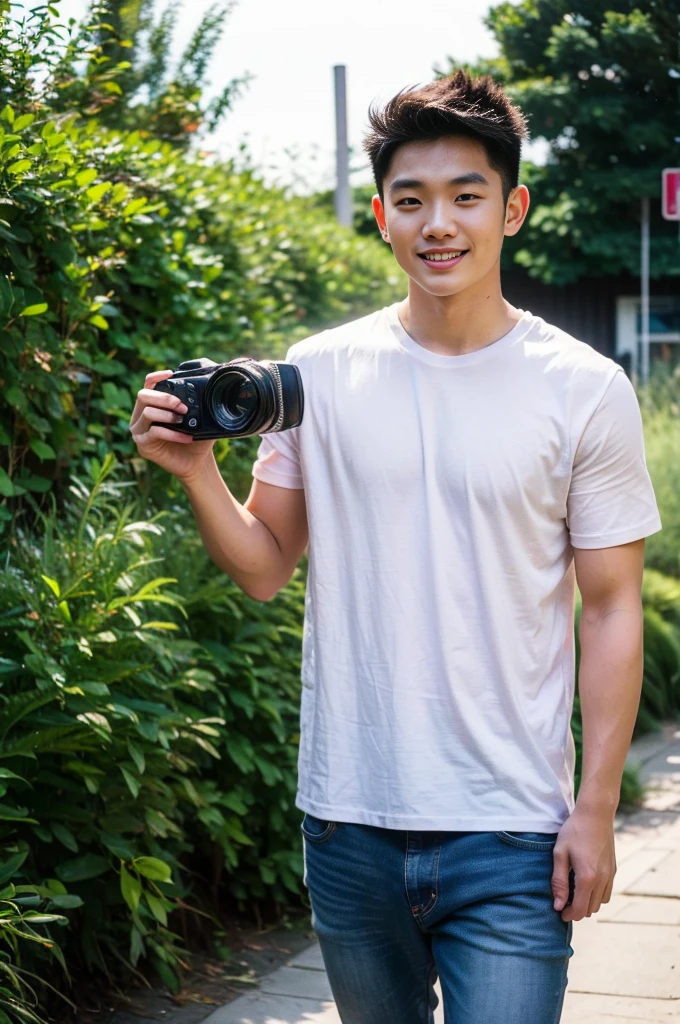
[600, 81]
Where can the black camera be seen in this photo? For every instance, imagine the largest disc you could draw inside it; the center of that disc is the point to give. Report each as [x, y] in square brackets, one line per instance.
[235, 399]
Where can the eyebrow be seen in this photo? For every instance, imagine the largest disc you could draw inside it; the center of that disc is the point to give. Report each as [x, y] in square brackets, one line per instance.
[471, 178]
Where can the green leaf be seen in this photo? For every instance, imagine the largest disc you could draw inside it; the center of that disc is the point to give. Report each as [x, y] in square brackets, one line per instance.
[23, 122]
[99, 321]
[54, 140]
[6, 485]
[136, 945]
[82, 868]
[168, 976]
[7, 114]
[41, 484]
[153, 869]
[67, 902]
[117, 845]
[157, 908]
[10, 867]
[65, 836]
[18, 167]
[52, 584]
[96, 192]
[131, 888]
[41, 307]
[8, 813]
[132, 783]
[137, 756]
[85, 177]
[43, 450]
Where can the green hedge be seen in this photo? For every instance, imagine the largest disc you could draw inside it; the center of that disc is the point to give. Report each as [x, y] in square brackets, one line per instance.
[141, 718]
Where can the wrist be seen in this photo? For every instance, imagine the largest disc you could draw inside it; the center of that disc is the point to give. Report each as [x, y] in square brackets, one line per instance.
[200, 474]
[597, 803]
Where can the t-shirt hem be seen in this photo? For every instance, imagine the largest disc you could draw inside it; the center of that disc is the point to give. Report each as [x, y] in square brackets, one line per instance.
[612, 539]
[409, 822]
[278, 479]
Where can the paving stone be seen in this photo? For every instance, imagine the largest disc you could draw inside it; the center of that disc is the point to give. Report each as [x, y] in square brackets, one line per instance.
[311, 959]
[625, 960]
[635, 866]
[596, 1009]
[261, 1008]
[639, 910]
[647, 746]
[662, 879]
[297, 981]
[667, 838]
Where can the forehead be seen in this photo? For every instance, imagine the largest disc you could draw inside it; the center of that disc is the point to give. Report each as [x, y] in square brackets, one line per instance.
[440, 158]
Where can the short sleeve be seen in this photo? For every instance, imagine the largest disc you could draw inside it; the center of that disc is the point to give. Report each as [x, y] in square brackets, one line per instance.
[611, 499]
[278, 459]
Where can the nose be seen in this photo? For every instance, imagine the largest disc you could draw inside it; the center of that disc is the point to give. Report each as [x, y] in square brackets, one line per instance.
[440, 222]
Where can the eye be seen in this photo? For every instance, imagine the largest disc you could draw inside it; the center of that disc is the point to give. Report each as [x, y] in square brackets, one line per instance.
[467, 195]
[407, 199]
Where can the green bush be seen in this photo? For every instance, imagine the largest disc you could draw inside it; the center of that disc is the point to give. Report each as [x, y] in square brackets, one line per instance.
[660, 696]
[145, 750]
[660, 403]
[119, 255]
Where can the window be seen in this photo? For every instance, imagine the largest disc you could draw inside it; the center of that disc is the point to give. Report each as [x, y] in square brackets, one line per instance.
[664, 330]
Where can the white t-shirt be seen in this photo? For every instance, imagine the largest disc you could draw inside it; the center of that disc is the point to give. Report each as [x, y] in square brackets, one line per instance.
[444, 495]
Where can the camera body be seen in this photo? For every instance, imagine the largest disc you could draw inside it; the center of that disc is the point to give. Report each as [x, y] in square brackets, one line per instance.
[235, 399]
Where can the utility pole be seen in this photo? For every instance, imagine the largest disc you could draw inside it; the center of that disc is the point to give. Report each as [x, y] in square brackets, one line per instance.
[644, 288]
[343, 195]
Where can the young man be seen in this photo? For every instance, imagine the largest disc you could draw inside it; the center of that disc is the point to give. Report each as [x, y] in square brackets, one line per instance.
[460, 463]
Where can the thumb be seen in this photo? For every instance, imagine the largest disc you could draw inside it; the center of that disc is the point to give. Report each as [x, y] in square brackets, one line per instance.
[560, 879]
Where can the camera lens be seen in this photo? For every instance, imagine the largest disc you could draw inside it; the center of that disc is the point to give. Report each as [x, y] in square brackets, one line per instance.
[234, 400]
[239, 397]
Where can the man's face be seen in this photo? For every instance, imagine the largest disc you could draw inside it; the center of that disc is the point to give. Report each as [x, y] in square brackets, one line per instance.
[443, 199]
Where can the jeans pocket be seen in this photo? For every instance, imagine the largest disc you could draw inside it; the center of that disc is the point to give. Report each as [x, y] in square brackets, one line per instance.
[317, 830]
[529, 840]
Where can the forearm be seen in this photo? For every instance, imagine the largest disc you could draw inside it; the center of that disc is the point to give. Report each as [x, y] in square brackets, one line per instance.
[610, 682]
[238, 543]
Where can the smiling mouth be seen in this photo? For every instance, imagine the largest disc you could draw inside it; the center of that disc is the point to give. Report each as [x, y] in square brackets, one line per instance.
[442, 259]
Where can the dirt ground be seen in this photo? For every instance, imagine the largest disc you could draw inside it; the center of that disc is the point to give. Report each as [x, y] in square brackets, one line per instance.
[209, 983]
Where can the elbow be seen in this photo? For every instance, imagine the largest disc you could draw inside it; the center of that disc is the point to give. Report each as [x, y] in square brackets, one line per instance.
[261, 593]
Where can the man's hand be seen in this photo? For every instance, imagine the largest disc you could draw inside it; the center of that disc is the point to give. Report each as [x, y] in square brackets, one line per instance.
[586, 844]
[174, 451]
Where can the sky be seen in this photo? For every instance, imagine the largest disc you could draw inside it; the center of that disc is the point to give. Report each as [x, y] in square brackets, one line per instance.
[286, 115]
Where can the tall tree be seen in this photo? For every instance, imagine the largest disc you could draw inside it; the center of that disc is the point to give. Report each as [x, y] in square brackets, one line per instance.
[600, 82]
[127, 80]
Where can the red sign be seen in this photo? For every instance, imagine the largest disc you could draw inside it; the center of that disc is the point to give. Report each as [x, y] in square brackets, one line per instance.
[670, 193]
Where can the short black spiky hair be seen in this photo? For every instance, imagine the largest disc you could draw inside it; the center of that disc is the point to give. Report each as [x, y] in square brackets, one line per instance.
[456, 105]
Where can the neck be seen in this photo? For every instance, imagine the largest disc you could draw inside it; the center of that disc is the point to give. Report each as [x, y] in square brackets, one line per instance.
[457, 324]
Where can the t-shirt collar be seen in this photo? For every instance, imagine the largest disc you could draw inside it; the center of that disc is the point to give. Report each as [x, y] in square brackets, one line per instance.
[406, 342]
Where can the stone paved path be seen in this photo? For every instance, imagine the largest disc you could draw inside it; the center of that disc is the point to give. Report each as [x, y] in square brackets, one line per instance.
[626, 962]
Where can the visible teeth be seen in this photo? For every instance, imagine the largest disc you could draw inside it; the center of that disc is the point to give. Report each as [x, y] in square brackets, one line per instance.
[442, 255]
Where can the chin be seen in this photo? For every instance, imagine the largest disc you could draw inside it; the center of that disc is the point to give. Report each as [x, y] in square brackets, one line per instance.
[440, 289]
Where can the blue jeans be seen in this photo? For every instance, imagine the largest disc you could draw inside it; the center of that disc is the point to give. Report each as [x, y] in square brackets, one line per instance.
[393, 910]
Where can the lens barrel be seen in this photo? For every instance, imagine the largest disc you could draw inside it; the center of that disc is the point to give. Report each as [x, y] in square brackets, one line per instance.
[241, 399]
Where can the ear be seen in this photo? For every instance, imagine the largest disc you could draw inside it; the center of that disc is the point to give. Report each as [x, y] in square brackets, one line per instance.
[379, 212]
[516, 209]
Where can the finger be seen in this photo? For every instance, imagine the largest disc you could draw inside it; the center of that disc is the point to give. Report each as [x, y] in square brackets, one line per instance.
[163, 434]
[608, 892]
[155, 376]
[583, 890]
[150, 415]
[560, 879]
[147, 397]
[596, 899]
